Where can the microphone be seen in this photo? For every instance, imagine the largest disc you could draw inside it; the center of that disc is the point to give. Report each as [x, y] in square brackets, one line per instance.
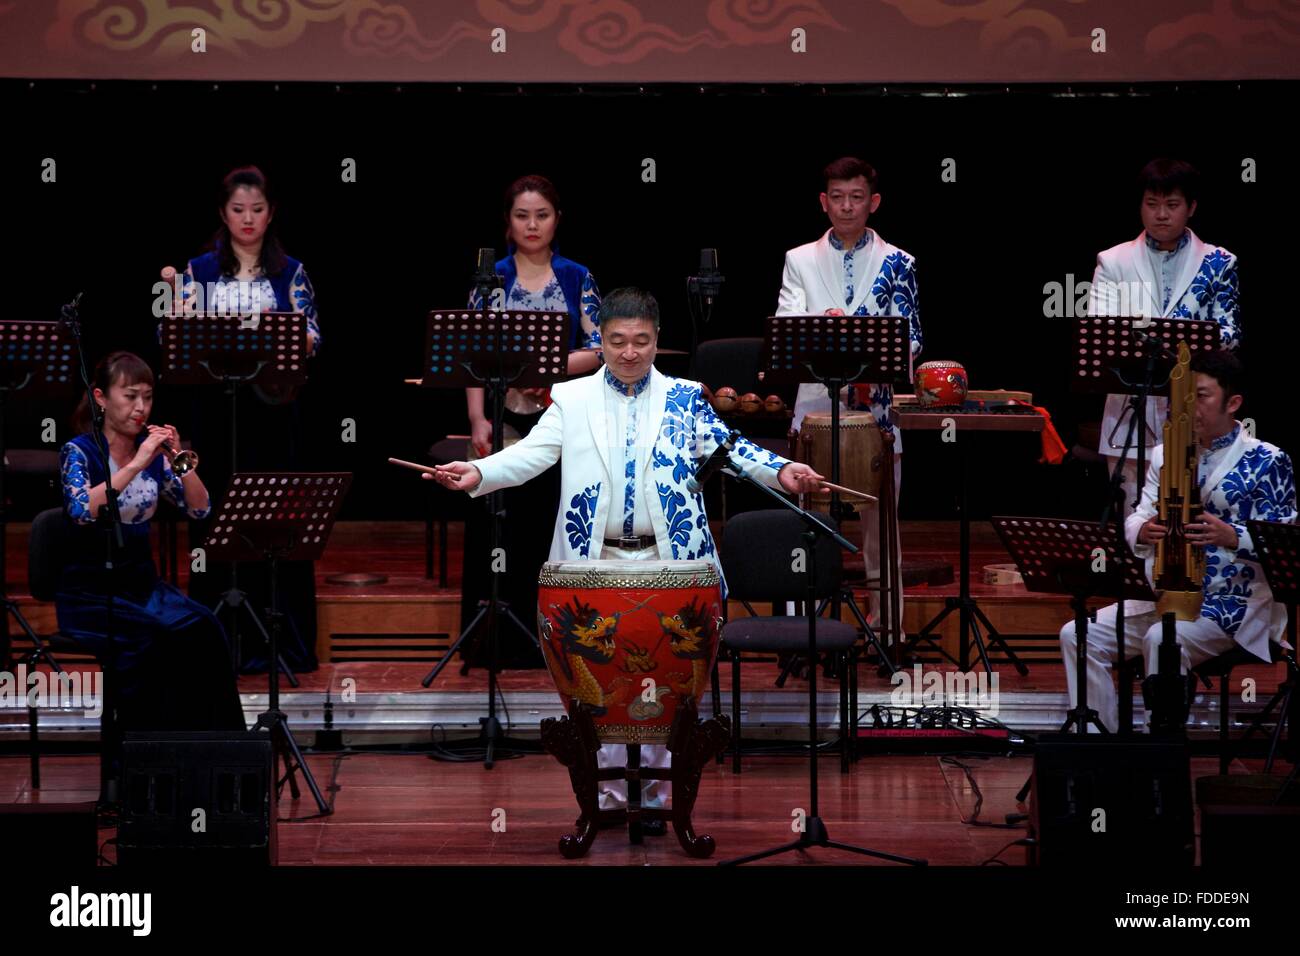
[69, 314]
[485, 276]
[708, 283]
[720, 458]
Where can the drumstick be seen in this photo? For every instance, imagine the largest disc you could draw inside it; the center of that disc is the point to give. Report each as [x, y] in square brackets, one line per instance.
[411, 464]
[841, 488]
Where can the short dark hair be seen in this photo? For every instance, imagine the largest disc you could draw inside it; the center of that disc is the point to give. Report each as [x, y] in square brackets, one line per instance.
[1163, 176]
[1222, 366]
[629, 303]
[849, 167]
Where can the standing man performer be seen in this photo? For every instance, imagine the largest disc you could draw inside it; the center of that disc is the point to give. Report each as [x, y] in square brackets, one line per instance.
[1240, 478]
[628, 439]
[1166, 272]
[851, 270]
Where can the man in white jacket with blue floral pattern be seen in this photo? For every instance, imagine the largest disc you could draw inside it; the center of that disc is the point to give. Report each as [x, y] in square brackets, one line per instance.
[628, 439]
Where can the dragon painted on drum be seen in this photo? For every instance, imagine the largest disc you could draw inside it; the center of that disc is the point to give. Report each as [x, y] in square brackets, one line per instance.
[579, 634]
[578, 637]
[688, 633]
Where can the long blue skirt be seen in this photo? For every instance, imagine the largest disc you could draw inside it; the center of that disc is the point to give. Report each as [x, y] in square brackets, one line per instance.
[168, 660]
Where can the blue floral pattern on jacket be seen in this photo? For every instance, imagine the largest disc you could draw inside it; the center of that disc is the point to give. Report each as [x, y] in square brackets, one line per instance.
[1260, 487]
[578, 519]
[893, 293]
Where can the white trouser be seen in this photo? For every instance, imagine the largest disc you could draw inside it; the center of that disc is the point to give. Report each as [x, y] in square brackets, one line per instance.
[1200, 640]
[613, 793]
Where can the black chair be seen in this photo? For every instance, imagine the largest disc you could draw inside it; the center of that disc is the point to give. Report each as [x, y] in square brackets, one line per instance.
[734, 362]
[1220, 668]
[31, 470]
[758, 561]
[443, 505]
[47, 554]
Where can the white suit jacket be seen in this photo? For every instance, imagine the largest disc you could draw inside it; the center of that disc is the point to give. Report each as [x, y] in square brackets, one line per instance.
[1254, 480]
[812, 283]
[1124, 283]
[573, 431]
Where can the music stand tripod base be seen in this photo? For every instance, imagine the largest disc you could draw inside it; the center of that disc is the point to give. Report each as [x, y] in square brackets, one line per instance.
[273, 517]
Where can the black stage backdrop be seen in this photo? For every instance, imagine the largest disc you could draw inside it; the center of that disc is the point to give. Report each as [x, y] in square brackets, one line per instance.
[1044, 179]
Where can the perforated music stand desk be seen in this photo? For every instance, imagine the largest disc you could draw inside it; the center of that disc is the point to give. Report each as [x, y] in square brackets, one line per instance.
[266, 348]
[469, 347]
[1107, 356]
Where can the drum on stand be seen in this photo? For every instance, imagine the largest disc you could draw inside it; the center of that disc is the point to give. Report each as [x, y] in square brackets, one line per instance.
[861, 452]
[508, 434]
[632, 640]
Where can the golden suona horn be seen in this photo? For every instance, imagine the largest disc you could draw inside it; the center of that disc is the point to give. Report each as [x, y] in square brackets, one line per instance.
[183, 462]
[1179, 569]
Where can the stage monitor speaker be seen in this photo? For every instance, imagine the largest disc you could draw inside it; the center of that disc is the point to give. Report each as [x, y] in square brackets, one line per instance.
[197, 798]
[50, 833]
[1100, 801]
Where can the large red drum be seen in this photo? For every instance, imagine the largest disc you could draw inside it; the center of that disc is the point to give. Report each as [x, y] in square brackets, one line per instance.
[631, 639]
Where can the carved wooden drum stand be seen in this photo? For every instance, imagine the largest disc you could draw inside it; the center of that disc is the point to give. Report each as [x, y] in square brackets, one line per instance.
[631, 647]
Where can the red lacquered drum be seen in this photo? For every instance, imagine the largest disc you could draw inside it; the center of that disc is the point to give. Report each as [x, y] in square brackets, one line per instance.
[632, 639]
[940, 382]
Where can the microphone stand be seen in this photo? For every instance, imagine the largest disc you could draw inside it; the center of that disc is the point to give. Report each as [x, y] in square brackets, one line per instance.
[814, 832]
[701, 291]
[110, 520]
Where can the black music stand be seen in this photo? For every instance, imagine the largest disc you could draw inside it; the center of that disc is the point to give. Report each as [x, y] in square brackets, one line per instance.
[814, 832]
[1127, 355]
[37, 358]
[839, 350]
[1278, 547]
[1057, 556]
[470, 348]
[277, 516]
[266, 349]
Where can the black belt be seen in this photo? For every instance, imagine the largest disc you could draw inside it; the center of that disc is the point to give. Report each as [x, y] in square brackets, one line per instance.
[636, 542]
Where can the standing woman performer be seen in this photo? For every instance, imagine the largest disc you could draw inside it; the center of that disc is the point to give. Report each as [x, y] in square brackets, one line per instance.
[246, 270]
[536, 278]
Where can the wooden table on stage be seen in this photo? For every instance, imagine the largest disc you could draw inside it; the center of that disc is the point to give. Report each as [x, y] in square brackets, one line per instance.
[1010, 418]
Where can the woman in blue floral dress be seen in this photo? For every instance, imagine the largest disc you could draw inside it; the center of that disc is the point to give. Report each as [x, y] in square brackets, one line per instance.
[536, 278]
[166, 655]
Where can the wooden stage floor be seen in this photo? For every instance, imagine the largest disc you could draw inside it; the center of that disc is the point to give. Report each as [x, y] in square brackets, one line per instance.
[404, 808]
